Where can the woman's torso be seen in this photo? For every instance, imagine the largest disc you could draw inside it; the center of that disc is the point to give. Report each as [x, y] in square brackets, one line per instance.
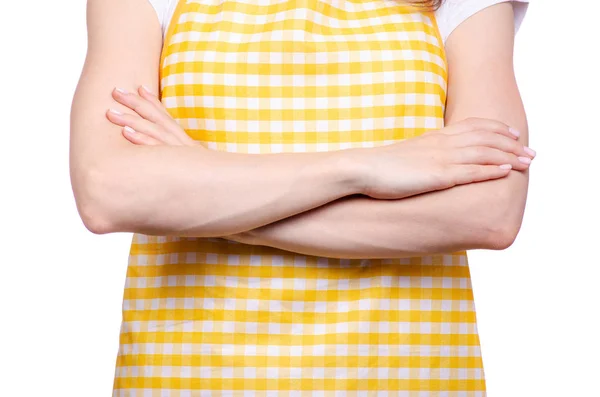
[209, 316]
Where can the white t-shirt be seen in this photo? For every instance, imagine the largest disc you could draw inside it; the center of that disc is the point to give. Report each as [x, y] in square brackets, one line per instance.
[451, 14]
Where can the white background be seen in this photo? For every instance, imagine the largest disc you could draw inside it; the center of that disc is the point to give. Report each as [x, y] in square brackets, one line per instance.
[61, 286]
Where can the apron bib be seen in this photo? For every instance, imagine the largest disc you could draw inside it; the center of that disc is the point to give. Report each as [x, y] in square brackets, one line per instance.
[213, 317]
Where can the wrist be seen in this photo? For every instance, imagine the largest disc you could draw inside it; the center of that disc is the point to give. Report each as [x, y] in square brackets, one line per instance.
[352, 164]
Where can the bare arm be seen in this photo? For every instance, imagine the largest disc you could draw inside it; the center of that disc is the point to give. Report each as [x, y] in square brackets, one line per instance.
[478, 215]
[192, 191]
[179, 190]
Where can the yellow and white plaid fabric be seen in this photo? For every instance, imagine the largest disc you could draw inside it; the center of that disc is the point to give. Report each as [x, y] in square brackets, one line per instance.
[213, 317]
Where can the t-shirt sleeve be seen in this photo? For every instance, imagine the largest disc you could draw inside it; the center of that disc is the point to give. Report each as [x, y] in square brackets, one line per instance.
[453, 12]
[162, 8]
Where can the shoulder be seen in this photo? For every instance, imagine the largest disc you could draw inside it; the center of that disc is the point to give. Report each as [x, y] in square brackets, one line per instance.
[453, 12]
[164, 9]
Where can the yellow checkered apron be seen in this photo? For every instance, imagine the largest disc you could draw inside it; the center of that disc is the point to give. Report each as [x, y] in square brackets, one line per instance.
[213, 317]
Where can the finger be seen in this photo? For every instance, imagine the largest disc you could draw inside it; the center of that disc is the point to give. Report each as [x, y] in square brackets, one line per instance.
[142, 126]
[139, 139]
[482, 124]
[147, 94]
[153, 110]
[482, 155]
[140, 105]
[470, 173]
[494, 140]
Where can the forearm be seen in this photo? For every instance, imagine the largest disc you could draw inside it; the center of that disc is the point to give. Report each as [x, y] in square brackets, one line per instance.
[192, 191]
[464, 217]
[483, 215]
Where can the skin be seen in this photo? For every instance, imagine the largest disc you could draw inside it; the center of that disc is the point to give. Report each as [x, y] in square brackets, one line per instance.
[461, 187]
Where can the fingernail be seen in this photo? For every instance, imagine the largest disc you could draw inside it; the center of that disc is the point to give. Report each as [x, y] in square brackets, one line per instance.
[529, 151]
[147, 90]
[514, 132]
[114, 111]
[129, 129]
[122, 91]
[506, 166]
[525, 160]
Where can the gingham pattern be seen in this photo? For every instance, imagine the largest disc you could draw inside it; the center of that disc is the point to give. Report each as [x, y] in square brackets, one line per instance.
[211, 317]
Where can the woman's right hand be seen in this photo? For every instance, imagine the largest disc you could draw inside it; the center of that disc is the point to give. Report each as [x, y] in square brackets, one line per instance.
[472, 150]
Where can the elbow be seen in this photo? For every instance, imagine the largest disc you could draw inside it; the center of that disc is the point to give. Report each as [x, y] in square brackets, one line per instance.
[500, 212]
[90, 193]
[504, 224]
[94, 221]
[502, 235]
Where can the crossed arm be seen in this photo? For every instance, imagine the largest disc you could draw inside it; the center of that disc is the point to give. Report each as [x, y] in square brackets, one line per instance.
[479, 215]
[115, 182]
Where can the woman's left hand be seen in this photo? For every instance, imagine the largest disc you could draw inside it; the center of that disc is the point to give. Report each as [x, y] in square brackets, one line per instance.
[149, 123]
